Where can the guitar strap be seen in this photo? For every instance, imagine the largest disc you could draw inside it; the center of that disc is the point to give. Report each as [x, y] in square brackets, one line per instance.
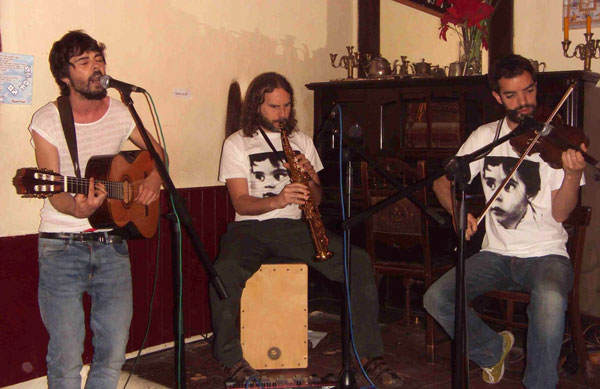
[68, 125]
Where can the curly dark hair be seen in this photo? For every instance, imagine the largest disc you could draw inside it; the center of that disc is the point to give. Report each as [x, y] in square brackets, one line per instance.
[509, 66]
[255, 96]
[71, 44]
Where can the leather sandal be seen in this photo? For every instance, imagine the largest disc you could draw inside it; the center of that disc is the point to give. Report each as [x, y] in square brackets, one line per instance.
[382, 374]
[241, 372]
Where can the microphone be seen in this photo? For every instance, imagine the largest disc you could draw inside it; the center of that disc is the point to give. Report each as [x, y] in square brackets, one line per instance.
[108, 82]
[355, 131]
[330, 124]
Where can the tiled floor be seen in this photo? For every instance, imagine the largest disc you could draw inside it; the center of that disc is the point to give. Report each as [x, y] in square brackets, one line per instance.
[405, 351]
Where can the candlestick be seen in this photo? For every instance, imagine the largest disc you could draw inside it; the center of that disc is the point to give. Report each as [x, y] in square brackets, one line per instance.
[566, 28]
[588, 24]
[352, 61]
[584, 51]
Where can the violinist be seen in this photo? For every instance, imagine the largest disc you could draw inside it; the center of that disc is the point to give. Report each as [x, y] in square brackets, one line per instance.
[525, 243]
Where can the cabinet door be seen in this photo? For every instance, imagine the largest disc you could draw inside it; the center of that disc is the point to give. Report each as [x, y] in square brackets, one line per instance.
[432, 121]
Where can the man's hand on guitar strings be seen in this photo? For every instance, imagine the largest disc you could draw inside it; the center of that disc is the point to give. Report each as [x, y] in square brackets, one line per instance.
[87, 205]
[149, 190]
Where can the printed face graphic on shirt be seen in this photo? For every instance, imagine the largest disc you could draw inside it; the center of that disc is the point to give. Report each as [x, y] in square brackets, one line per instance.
[269, 176]
[514, 200]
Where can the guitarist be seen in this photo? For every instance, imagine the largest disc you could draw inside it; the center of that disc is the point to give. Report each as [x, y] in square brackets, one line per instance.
[73, 258]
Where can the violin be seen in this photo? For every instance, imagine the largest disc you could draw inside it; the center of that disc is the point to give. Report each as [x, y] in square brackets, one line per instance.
[555, 137]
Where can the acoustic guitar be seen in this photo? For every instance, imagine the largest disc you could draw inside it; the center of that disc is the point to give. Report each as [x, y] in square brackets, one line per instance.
[121, 174]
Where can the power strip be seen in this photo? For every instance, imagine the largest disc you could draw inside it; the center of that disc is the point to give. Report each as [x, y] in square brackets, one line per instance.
[312, 382]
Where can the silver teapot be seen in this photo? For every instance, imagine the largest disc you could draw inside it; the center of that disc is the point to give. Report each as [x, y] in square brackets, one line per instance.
[421, 68]
[379, 67]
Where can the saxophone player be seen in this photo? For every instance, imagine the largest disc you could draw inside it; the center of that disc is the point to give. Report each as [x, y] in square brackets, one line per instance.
[268, 209]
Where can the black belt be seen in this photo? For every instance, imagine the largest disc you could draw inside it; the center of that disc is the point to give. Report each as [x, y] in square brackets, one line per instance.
[102, 237]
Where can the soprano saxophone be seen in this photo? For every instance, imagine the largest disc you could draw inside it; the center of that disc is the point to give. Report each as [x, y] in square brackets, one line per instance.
[311, 211]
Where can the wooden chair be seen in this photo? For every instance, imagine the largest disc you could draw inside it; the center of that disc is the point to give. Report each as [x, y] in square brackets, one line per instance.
[397, 238]
[576, 227]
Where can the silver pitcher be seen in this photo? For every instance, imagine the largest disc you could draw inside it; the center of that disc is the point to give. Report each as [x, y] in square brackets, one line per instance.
[537, 65]
[456, 69]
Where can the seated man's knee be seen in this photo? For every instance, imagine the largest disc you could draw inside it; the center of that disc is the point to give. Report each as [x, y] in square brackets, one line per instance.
[549, 302]
[434, 298]
[361, 258]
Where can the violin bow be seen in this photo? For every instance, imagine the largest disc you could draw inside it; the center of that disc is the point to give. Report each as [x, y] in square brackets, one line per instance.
[531, 145]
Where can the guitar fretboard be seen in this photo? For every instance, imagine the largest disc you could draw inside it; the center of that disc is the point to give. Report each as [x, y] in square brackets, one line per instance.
[115, 189]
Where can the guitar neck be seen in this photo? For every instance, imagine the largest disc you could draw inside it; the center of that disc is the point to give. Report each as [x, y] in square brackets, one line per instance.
[81, 185]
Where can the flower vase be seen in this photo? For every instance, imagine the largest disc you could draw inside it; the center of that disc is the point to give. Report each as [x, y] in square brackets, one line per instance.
[471, 52]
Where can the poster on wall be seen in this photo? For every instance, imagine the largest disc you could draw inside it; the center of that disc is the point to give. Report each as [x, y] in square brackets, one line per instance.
[577, 11]
[16, 78]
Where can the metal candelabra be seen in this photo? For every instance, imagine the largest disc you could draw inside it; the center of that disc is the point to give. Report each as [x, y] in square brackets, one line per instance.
[584, 51]
[349, 62]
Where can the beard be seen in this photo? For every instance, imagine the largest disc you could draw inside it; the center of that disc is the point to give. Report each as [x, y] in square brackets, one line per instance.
[515, 116]
[275, 126]
[85, 88]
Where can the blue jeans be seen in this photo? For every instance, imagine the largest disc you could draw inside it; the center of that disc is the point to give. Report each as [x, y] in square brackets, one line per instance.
[67, 270]
[547, 279]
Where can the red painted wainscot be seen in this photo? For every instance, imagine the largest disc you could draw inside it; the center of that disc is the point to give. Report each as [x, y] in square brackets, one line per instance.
[23, 338]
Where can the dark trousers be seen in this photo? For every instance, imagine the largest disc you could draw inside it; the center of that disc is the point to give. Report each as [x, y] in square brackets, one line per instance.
[249, 244]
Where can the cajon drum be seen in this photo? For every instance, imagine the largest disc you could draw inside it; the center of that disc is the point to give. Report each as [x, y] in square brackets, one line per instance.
[274, 317]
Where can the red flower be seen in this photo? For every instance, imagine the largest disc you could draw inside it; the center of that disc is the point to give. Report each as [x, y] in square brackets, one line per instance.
[465, 13]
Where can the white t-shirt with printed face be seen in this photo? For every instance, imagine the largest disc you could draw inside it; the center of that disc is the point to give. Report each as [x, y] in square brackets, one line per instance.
[251, 158]
[519, 222]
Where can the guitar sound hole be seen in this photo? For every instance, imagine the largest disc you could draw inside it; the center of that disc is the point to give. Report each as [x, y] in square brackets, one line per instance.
[128, 192]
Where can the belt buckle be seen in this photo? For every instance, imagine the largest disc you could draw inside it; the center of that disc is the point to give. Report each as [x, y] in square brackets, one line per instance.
[102, 237]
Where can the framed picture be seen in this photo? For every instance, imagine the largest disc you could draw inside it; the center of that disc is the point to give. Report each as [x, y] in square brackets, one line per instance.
[577, 11]
[425, 6]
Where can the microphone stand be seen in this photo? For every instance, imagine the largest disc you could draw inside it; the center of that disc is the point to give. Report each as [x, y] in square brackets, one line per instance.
[457, 169]
[346, 379]
[185, 219]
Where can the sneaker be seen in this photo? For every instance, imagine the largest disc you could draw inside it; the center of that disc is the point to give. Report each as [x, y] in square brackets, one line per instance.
[493, 375]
